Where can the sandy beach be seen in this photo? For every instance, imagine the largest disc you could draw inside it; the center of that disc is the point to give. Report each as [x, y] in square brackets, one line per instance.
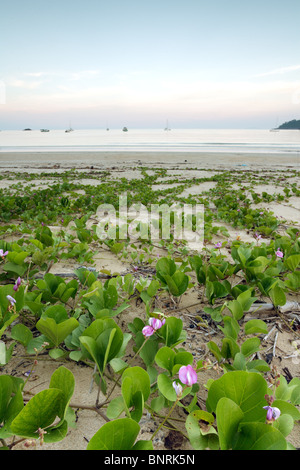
[268, 175]
[77, 160]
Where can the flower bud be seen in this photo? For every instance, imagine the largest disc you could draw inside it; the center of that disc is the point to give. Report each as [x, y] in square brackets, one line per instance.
[178, 388]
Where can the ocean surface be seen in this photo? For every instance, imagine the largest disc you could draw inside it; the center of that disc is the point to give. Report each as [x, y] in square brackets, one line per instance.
[153, 140]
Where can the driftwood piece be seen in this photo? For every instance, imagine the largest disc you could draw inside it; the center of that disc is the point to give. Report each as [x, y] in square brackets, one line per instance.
[288, 307]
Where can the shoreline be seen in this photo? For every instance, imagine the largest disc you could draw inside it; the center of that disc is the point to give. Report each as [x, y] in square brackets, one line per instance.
[105, 159]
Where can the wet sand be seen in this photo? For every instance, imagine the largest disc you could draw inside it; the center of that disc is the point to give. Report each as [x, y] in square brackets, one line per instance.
[67, 160]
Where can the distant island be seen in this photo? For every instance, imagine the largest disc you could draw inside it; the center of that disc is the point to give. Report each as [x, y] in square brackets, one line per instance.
[294, 124]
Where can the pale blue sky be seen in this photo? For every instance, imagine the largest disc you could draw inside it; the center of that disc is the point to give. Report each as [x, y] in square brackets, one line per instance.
[200, 64]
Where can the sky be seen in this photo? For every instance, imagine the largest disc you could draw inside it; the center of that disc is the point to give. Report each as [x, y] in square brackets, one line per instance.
[194, 63]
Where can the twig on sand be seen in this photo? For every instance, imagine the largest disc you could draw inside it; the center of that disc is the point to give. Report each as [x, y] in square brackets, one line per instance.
[274, 345]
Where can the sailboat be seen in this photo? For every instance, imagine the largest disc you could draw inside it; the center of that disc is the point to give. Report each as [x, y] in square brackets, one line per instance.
[70, 129]
[167, 126]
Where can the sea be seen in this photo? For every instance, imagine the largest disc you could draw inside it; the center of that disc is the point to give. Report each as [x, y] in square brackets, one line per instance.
[262, 141]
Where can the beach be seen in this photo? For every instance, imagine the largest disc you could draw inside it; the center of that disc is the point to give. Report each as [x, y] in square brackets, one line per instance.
[194, 173]
[78, 160]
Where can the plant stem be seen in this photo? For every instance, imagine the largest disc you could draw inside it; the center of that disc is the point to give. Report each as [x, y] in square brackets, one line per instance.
[120, 375]
[166, 418]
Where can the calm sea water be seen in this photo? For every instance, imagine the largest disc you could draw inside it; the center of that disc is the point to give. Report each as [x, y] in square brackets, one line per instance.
[152, 140]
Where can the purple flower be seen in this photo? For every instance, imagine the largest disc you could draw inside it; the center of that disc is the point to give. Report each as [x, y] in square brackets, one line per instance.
[178, 388]
[279, 253]
[3, 254]
[17, 284]
[147, 331]
[155, 323]
[11, 299]
[272, 413]
[187, 375]
[218, 245]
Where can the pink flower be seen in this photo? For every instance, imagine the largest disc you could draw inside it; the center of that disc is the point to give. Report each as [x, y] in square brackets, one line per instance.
[156, 323]
[11, 299]
[218, 245]
[17, 284]
[273, 413]
[279, 253]
[3, 254]
[187, 375]
[147, 331]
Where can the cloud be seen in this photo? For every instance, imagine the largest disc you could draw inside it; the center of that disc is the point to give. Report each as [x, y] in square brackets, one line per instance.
[69, 75]
[35, 74]
[29, 85]
[279, 71]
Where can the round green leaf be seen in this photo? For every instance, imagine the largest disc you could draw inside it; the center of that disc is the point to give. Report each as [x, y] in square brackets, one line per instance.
[115, 435]
[40, 412]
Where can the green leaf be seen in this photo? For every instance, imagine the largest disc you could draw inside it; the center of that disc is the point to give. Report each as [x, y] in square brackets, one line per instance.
[236, 309]
[229, 416]
[6, 388]
[214, 349]
[250, 346]
[258, 365]
[165, 358]
[229, 348]
[292, 262]
[143, 445]
[165, 266]
[231, 327]
[15, 268]
[255, 326]
[284, 424]
[246, 300]
[259, 436]
[287, 408]
[140, 378]
[102, 340]
[172, 332]
[277, 296]
[246, 389]
[115, 435]
[239, 362]
[63, 379]
[201, 433]
[166, 388]
[56, 332]
[40, 412]
[21, 333]
[115, 407]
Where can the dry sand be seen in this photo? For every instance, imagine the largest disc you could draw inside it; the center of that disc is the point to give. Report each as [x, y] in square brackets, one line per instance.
[180, 165]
